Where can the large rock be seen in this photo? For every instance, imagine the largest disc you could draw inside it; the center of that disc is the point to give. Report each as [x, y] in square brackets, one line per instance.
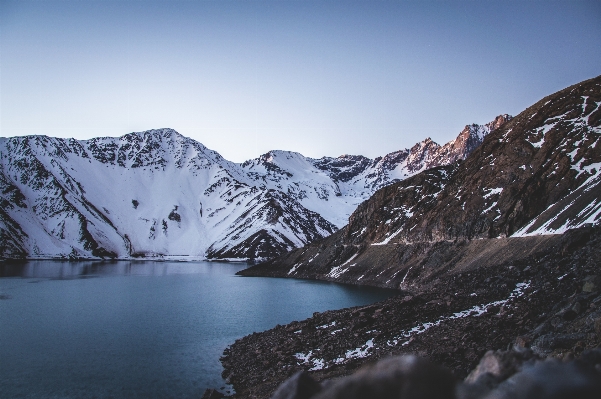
[405, 377]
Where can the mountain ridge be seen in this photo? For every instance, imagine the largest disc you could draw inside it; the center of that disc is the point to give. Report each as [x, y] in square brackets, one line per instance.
[157, 193]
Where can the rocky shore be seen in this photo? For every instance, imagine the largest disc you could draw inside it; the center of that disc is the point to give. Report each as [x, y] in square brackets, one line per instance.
[547, 303]
[500, 251]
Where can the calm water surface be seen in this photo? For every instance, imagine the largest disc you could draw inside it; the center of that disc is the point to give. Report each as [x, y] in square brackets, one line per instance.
[140, 329]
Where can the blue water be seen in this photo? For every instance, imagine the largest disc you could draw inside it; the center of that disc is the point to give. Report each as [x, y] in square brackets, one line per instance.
[140, 329]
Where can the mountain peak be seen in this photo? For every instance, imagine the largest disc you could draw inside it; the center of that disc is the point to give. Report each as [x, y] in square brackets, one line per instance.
[499, 121]
[162, 134]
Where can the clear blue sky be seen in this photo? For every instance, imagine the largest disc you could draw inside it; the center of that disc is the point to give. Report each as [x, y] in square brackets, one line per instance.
[317, 77]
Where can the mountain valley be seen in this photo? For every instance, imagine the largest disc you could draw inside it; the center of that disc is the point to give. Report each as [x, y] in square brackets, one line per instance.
[491, 240]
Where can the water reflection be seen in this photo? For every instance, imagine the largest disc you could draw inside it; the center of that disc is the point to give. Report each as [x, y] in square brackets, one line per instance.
[65, 270]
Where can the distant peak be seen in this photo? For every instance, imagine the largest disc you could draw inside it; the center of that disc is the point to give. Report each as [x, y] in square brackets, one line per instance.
[163, 133]
[499, 120]
[271, 155]
[267, 157]
[427, 142]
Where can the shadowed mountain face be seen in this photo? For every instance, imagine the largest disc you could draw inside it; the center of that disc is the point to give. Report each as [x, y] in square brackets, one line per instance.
[537, 174]
[158, 193]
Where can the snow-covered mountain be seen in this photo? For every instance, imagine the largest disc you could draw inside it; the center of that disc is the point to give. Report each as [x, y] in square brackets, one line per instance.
[158, 193]
[143, 194]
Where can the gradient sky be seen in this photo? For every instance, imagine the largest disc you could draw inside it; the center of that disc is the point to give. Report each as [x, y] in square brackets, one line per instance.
[317, 77]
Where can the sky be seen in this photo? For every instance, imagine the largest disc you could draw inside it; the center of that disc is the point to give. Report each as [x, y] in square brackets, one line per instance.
[323, 78]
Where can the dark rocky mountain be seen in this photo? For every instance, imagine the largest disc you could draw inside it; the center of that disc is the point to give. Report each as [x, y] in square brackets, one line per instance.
[499, 252]
[536, 175]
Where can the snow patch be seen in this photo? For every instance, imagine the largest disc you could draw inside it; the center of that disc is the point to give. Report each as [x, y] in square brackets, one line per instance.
[304, 357]
[332, 324]
[311, 260]
[360, 352]
[337, 271]
[387, 239]
[475, 311]
[490, 207]
[318, 364]
[538, 144]
[562, 277]
[293, 268]
[493, 191]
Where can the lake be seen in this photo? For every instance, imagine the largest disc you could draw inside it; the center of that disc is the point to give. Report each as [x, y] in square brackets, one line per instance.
[140, 329]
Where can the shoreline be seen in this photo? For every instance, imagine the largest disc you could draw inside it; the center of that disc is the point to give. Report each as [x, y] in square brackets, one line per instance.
[548, 303]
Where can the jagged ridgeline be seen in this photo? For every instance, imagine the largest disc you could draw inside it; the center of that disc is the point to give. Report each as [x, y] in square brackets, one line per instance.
[531, 180]
[158, 193]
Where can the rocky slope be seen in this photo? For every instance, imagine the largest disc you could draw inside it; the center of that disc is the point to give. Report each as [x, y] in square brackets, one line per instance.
[158, 193]
[537, 174]
[544, 303]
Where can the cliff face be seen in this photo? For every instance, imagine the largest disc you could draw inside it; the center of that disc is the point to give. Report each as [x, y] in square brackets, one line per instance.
[536, 176]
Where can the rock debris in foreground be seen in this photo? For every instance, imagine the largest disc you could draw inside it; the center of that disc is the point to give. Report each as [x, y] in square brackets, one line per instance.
[548, 303]
[500, 375]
